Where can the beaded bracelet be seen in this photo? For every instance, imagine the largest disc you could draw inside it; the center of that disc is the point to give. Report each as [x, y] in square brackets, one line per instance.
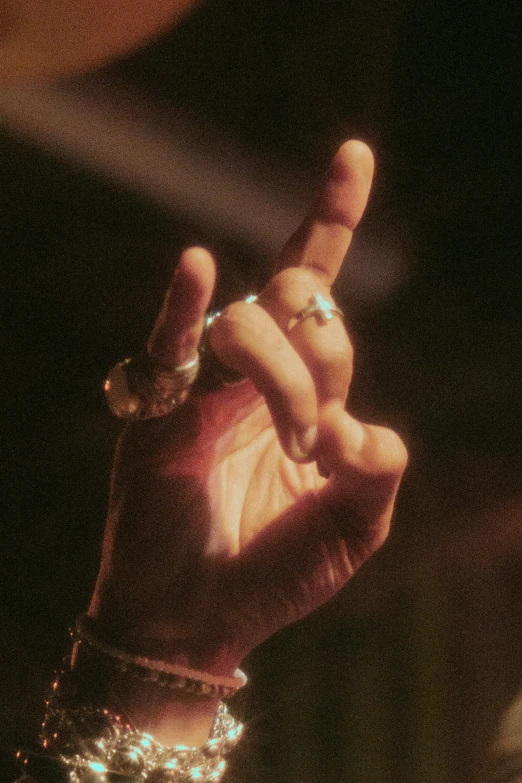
[173, 676]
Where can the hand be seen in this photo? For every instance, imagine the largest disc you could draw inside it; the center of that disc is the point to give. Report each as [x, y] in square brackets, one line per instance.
[250, 506]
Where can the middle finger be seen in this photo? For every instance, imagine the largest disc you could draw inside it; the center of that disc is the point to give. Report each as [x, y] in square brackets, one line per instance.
[321, 338]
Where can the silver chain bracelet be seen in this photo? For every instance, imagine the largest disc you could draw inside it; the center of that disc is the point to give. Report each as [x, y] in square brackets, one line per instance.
[98, 746]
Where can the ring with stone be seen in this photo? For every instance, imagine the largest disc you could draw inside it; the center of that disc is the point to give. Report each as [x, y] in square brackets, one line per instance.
[138, 388]
[319, 308]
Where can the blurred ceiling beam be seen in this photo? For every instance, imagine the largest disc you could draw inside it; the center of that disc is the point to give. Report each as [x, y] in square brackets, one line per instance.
[181, 164]
[175, 161]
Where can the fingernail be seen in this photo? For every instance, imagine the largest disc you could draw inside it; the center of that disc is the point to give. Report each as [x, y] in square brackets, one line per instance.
[302, 443]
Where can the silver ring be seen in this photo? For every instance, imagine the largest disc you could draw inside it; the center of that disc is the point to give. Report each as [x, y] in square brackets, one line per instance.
[211, 317]
[218, 374]
[138, 389]
[319, 308]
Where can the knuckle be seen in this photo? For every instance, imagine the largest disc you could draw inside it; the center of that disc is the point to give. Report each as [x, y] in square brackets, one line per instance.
[387, 454]
[330, 362]
[398, 453]
[234, 313]
[290, 290]
[229, 324]
[291, 279]
[378, 534]
[337, 354]
[349, 349]
[296, 388]
[374, 453]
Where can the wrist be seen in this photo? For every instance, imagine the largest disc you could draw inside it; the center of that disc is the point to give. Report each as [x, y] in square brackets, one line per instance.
[170, 716]
[168, 700]
[196, 643]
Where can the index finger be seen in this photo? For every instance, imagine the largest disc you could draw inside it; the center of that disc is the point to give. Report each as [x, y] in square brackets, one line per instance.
[323, 239]
[178, 328]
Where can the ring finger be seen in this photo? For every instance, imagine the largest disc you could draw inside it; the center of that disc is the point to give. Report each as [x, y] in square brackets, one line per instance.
[246, 339]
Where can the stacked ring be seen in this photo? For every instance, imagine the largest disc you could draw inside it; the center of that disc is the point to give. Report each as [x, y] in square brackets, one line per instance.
[138, 388]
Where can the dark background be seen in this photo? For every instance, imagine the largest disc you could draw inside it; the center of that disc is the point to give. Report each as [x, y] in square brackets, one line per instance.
[404, 676]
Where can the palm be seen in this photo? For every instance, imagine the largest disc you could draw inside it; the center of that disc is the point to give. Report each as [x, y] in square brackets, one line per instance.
[251, 481]
[255, 553]
[233, 537]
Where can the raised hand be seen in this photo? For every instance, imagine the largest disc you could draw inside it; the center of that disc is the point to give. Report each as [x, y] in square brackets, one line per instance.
[249, 506]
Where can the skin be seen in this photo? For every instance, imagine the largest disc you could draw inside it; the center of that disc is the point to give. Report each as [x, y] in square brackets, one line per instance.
[249, 506]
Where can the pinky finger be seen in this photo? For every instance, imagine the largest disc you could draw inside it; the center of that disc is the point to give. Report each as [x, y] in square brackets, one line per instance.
[246, 339]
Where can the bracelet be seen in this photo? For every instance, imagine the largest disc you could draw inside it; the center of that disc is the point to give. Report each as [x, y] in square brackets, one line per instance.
[98, 745]
[173, 676]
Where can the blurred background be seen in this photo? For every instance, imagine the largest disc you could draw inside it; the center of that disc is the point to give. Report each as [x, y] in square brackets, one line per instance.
[218, 133]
